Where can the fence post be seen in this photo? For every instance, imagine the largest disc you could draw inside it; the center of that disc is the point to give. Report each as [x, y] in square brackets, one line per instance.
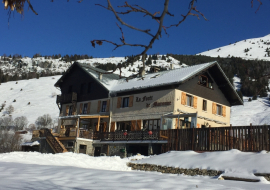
[209, 138]
[192, 144]
[230, 139]
[249, 148]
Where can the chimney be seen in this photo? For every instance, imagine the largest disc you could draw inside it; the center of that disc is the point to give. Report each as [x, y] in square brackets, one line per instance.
[100, 76]
[171, 66]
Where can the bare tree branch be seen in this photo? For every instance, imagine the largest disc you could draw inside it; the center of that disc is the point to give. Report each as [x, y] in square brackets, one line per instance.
[110, 8]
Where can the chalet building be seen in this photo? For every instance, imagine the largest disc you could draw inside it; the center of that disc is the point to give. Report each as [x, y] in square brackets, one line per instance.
[103, 114]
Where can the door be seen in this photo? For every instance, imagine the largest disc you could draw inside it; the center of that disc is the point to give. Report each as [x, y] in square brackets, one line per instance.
[82, 149]
[97, 151]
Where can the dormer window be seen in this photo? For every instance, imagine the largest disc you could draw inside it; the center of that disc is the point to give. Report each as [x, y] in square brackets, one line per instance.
[205, 81]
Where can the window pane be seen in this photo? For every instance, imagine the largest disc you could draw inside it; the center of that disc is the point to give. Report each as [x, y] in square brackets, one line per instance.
[85, 109]
[150, 124]
[104, 105]
[155, 125]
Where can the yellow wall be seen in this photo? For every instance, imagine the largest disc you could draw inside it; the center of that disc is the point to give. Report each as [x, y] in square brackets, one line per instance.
[207, 114]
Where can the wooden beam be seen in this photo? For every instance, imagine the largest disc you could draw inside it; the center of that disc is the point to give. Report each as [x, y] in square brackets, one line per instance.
[94, 117]
[98, 123]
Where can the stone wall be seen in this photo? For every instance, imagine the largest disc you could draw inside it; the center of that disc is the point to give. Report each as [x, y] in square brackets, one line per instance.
[173, 170]
[114, 150]
[191, 172]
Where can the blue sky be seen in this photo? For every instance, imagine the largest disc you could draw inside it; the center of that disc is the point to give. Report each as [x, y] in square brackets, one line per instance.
[68, 27]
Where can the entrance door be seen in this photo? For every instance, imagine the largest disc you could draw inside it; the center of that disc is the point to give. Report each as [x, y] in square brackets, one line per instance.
[82, 149]
[97, 151]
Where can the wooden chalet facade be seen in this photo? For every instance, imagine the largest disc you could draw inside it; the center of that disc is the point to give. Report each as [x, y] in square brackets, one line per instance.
[102, 114]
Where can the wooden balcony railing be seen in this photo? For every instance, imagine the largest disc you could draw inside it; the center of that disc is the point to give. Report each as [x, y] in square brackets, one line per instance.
[66, 98]
[130, 135]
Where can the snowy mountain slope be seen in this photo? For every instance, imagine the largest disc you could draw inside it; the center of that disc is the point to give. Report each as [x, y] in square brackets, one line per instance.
[129, 70]
[42, 64]
[255, 112]
[254, 48]
[39, 92]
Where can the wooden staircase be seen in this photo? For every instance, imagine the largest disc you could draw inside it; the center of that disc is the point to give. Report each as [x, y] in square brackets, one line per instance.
[54, 142]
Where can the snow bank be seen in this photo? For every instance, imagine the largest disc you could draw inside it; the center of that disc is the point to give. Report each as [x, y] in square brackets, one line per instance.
[67, 159]
[232, 161]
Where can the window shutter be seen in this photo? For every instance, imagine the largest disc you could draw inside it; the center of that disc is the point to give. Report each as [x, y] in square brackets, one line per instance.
[130, 101]
[112, 127]
[119, 100]
[138, 127]
[195, 102]
[214, 108]
[104, 127]
[67, 109]
[183, 98]
[108, 105]
[88, 107]
[81, 107]
[99, 104]
[74, 109]
[224, 111]
[133, 125]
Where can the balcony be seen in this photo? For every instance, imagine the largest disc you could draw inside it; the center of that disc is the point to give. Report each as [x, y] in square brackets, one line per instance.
[66, 98]
[131, 135]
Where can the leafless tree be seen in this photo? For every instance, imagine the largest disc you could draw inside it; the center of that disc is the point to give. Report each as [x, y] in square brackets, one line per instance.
[20, 123]
[6, 122]
[9, 141]
[44, 121]
[31, 127]
[10, 109]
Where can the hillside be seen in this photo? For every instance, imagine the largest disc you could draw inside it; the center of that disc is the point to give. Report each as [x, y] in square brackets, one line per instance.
[255, 48]
[39, 92]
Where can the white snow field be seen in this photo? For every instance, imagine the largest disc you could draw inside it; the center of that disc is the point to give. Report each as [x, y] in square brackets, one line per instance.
[39, 92]
[256, 49]
[31, 170]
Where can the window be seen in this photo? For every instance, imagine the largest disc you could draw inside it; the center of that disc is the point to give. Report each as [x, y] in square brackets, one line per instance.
[124, 126]
[204, 107]
[125, 102]
[189, 101]
[83, 88]
[152, 124]
[104, 105]
[70, 89]
[70, 110]
[219, 110]
[205, 81]
[70, 144]
[84, 109]
[89, 89]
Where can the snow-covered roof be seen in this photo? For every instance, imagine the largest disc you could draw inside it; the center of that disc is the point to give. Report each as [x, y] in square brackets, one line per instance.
[114, 84]
[160, 78]
[30, 143]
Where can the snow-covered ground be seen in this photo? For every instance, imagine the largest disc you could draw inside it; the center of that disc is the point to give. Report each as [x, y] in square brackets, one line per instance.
[255, 112]
[28, 170]
[256, 49]
[39, 92]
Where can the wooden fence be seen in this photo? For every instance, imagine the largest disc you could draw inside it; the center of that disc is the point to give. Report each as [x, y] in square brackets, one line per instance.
[244, 138]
